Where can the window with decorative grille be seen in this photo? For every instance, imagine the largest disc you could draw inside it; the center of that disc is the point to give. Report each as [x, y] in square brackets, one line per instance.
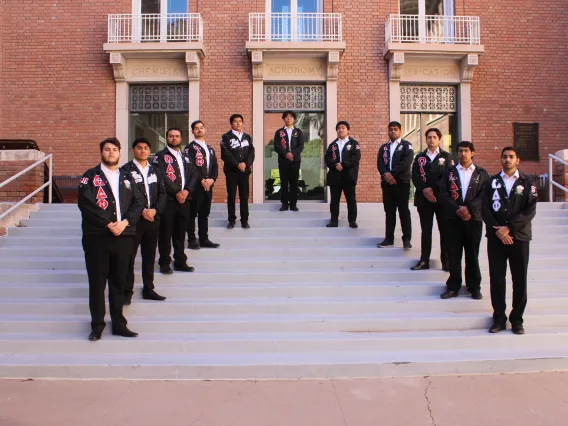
[428, 99]
[297, 97]
[159, 98]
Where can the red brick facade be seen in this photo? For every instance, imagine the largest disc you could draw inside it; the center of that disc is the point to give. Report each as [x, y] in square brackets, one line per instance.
[57, 86]
[24, 185]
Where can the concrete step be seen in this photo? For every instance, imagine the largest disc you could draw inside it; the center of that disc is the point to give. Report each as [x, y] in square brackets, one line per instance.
[282, 366]
[207, 324]
[220, 308]
[215, 263]
[280, 290]
[426, 341]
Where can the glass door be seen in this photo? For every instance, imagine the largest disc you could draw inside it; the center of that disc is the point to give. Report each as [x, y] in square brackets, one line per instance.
[161, 20]
[295, 20]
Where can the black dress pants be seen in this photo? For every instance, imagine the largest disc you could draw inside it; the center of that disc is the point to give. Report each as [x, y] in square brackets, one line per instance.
[200, 209]
[426, 213]
[173, 226]
[350, 197]
[396, 197]
[147, 238]
[289, 175]
[464, 236]
[237, 180]
[518, 256]
[107, 258]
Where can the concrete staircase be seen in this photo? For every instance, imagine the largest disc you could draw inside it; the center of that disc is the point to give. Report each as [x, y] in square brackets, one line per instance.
[288, 298]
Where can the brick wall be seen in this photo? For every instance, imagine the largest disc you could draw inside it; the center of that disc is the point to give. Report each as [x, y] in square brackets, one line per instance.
[24, 185]
[57, 84]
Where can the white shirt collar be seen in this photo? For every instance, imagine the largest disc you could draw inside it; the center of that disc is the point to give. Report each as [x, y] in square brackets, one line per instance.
[505, 176]
[436, 152]
[106, 170]
[142, 168]
[396, 141]
[343, 141]
[471, 167]
[203, 144]
[238, 134]
[175, 151]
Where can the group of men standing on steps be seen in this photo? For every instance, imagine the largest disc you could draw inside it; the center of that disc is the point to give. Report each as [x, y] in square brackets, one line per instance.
[153, 205]
[462, 196]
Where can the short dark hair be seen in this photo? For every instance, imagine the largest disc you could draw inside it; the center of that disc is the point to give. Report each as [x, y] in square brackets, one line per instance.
[195, 123]
[345, 123]
[433, 129]
[510, 148]
[139, 141]
[285, 113]
[395, 124]
[466, 144]
[113, 141]
[172, 128]
[236, 116]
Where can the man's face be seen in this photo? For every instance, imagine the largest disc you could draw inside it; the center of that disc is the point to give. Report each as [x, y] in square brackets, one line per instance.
[199, 130]
[394, 133]
[141, 152]
[174, 139]
[465, 156]
[289, 120]
[509, 160]
[432, 140]
[342, 131]
[237, 124]
[110, 155]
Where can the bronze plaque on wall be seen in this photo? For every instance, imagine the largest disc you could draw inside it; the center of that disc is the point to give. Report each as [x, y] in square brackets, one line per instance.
[525, 136]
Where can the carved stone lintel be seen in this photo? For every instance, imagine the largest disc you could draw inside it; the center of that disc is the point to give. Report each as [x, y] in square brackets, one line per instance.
[396, 63]
[257, 71]
[118, 63]
[468, 65]
[193, 65]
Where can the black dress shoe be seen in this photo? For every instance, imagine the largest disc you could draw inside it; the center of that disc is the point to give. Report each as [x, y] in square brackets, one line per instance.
[420, 265]
[385, 243]
[95, 336]
[245, 224]
[295, 209]
[166, 269]
[124, 332]
[151, 295]
[448, 294]
[193, 244]
[283, 208]
[209, 244]
[406, 245]
[445, 268]
[518, 328]
[332, 225]
[184, 268]
[127, 302]
[353, 225]
[476, 294]
[230, 225]
[497, 327]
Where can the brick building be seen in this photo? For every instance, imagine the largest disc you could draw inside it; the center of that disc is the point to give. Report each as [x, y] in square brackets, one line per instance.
[73, 73]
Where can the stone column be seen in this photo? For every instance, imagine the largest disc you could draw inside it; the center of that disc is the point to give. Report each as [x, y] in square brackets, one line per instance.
[258, 127]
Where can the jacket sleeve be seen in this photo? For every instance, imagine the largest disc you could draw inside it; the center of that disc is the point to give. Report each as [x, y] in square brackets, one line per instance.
[87, 203]
[136, 204]
[300, 147]
[226, 154]
[381, 167]
[405, 162]
[329, 162]
[443, 194]
[193, 178]
[419, 184]
[160, 165]
[486, 212]
[162, 195]
[527, 214]
[277, 145]
[214, 169]
[250, 154]
[354, 156]
[475, 205]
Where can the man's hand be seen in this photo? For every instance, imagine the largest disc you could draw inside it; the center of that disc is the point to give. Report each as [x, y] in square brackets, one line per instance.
[389, 178]
[149, 214]
[242, 167]
[501, 231]
[290, 156]
[338, 167]
[507, 240]
[207, 184]
[182, 196]
[463, 213]
[118, 227]
[429, 194]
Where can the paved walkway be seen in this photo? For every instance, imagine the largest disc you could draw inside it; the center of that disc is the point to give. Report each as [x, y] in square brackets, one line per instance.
[520, 400]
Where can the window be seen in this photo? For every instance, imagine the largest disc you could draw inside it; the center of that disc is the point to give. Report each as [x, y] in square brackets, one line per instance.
[162, 19]
[426, 7]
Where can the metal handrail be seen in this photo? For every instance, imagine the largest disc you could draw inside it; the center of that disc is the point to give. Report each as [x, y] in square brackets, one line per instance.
[551, 182]
[46, 184]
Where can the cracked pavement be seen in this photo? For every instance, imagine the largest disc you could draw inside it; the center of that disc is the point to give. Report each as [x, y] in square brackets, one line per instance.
[522, 399]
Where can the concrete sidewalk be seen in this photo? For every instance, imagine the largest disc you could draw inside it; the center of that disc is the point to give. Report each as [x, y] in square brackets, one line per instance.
[520, 400]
